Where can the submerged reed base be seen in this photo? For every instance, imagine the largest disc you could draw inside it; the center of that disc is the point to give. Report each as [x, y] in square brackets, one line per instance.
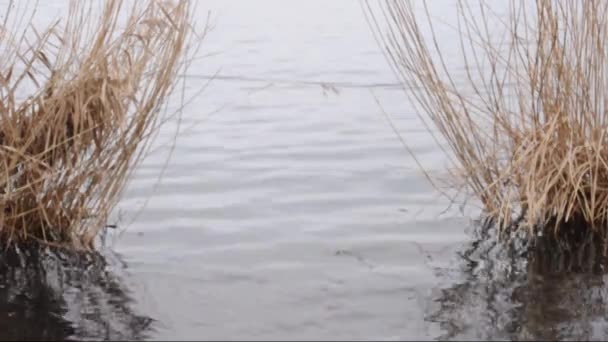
[79, 101]
[526, 120]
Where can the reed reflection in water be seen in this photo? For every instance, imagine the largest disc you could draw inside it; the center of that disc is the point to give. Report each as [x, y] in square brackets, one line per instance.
[53, 296]
[546, 291]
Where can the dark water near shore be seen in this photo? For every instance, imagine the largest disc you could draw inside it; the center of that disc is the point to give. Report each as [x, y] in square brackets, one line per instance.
[292, 211]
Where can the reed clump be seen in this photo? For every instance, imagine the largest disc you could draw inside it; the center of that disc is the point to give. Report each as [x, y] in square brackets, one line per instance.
[80, 100]
[526, 119]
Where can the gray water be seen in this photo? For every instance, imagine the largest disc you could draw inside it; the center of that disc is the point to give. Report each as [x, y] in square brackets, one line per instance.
[290, 213]
[290, 210]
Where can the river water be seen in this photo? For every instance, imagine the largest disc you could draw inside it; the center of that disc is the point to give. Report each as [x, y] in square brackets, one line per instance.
[290, 209]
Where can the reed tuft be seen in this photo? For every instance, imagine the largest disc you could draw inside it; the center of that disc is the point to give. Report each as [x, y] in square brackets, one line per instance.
[526, 117]
[79, 102]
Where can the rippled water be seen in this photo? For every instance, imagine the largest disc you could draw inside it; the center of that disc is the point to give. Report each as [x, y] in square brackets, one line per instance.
[290, 210]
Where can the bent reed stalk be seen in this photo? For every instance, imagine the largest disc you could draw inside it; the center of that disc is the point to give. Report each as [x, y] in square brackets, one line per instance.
[526, 121]
[79, 102]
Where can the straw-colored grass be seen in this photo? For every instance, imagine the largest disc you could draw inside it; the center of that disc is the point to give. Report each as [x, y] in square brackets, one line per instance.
[526, 121]
[79, 101]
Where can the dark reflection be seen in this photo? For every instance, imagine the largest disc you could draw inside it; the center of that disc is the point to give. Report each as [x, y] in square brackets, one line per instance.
[51, 295]
[552, 289]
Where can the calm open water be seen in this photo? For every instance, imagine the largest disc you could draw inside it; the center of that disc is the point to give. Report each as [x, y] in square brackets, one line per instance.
[290, 210]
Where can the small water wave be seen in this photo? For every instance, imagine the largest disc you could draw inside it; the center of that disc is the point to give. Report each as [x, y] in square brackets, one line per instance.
[328, 85]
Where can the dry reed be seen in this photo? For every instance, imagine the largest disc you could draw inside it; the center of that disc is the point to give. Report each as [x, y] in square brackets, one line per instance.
[79, 102]
[526, 120]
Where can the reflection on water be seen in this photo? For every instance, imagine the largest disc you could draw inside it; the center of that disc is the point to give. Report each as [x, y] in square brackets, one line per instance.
[550, 292]
[53, 296]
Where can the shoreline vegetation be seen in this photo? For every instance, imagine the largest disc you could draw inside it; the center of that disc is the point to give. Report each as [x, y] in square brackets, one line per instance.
[526, 120]
[80, 101]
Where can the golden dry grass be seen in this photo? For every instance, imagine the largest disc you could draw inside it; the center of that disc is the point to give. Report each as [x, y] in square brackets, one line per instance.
[526, 121]
[79, 101]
